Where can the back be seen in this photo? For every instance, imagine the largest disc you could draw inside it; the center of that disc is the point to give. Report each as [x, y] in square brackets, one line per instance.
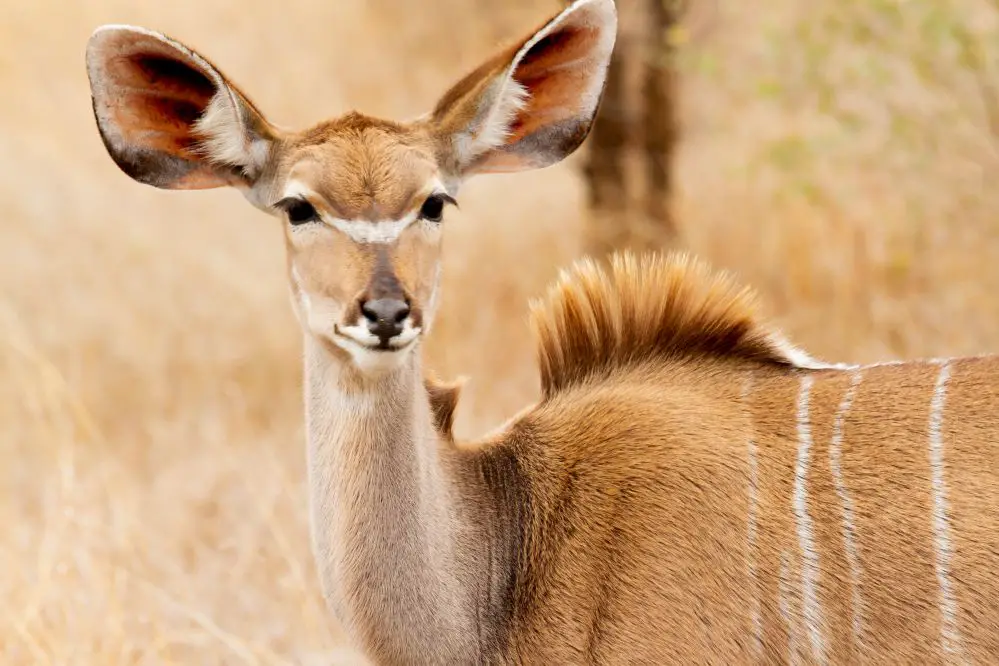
[878, 497]
[731, 511]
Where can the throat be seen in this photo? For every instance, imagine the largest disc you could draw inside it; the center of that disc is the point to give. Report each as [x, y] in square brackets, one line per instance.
[387, 517]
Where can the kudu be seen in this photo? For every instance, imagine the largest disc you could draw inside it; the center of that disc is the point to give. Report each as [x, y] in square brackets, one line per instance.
[688, 489]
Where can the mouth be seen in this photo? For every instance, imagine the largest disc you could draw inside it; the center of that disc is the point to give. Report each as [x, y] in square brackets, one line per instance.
[374, 344]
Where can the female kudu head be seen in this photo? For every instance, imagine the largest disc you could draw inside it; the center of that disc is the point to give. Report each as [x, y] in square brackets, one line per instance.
[362, 198]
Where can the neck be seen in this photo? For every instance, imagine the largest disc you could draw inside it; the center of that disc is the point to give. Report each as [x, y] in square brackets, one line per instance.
[399, 529]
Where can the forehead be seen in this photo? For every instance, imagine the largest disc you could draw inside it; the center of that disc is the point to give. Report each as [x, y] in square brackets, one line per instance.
[362, 167]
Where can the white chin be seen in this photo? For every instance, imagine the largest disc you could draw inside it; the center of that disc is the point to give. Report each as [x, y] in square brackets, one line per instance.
[370, 359]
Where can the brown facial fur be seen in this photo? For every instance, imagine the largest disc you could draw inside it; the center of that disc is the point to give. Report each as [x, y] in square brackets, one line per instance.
[330, 265]
[363, 168]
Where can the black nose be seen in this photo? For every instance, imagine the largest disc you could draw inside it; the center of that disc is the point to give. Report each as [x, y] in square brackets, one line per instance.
[385, 317]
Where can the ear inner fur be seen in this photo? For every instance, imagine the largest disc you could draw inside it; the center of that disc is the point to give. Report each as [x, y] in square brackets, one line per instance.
[533, 104]
[167, 116]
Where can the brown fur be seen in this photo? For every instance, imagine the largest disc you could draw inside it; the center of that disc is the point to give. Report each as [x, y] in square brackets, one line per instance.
[634, 487]
[382, 167]
[443, 397]
[595, 322]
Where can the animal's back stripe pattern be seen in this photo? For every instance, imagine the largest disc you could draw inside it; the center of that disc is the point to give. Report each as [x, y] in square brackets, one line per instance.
[755, 620]
[950, 635]
[846, 504]
[806, 540]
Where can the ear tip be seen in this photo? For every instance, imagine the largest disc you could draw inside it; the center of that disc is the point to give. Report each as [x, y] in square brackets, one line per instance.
[602, 13]
[101, 41]
[109, 30]
[608, 6]
[111, 33]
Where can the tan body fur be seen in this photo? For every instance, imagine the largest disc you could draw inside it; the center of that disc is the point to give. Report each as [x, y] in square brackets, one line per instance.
[690, 488]
[652, 561]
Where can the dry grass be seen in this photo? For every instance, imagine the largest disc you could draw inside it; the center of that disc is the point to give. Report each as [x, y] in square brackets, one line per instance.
[152, 488]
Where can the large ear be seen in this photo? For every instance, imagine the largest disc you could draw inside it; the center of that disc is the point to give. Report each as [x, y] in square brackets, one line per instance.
[533, 104]
[168, 117]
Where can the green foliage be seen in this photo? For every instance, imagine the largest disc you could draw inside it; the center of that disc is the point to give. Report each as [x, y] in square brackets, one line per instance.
[879, 85]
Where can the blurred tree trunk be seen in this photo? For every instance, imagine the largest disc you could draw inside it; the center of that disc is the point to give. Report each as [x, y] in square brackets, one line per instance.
[660, 121]
[605, 161]
[633, 141]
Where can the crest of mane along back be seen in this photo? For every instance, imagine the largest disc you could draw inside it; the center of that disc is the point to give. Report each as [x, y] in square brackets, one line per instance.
[595, 320]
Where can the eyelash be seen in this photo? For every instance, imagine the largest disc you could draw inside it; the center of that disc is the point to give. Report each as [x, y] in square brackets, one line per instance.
[298, 210]
[436, 203]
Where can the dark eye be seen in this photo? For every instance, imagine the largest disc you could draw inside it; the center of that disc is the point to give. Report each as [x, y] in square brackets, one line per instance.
[299, 211]
[433, 208]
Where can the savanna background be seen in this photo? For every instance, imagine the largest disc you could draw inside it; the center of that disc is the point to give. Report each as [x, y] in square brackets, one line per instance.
[840, 155]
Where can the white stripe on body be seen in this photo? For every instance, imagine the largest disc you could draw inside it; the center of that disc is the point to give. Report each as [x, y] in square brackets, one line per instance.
[809, 556]
[950, 635]
[850, 546]
[753, 510]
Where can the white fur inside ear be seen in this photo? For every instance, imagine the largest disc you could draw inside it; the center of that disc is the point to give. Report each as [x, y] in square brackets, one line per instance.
[505, 98]
[224, 136]
[503, 105]
[601, 14]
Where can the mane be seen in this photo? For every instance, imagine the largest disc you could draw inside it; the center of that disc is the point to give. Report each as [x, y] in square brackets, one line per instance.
[595, 321]
[443, 397]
